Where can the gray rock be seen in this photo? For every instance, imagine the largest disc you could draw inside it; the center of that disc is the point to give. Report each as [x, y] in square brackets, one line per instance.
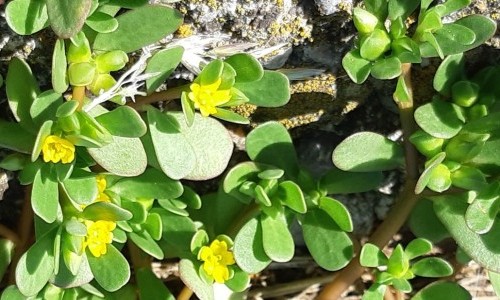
[328, 7]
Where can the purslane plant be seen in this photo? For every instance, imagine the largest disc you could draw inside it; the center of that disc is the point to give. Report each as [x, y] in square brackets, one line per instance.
[455, 127]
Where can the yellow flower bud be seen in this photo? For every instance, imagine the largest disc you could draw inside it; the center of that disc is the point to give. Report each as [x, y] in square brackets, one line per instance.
[99, 235]
[215, 259]
[101, 186]
[207, 97]
[56, 149]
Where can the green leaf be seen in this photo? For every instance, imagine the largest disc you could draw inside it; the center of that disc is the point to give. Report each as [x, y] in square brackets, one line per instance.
[36, 265]
[12, 293]
[43, 133]
[111, 270]
[22, 89]
[123, 157]
[440, 178]
[272, 90]
[418, 247]
[200, 239]
[483, 248]
[427, 174]
[156, 22]
[173, 151]
[450, 71]
[290, 194]
[276, 238]
[337, 181]
[239, 282]
[66, 279]
[105, 211]
[402, 93]
[102, 22]
[59, 67]
[482, 26]
[270, 143]
[187, 108]
[402, 9]
[356, 67]
[189, 275]
[6, 253]
[249, 249]
[144, 241]
[330, 247]
[14, 137]
[351, 154]
[371, 256]
[127, 3]
[387, 68]
[398, 263]
[164, 62]
[239, 174]
[481, 213]
[81, 187]
[210, 161]
[26, 17]
[177, 233]
[123, 121]
[440, 119]
[67, 16]
[45, 198]
[151, 184]
[424, 223]
[211, 72]
[338, 212]
[377, 7]
[247, 68]
[150, 286]
[468, 178]
[375, 292]
[454, 5]
[495, 281]
[153, 225]
[432, 267]
[373, 45]
[230, 116]
[442, 290]
[44, 107]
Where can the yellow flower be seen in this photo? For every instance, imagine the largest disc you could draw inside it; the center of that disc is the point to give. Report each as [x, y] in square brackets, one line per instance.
[99, 235]
[216, 258]
[101, 186]
[206, 97]
[57, 149]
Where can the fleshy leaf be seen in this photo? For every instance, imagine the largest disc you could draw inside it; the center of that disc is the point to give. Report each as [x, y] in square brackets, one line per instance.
[371, 256]
[272, 90]
[156, 22]
[164, 61]
[432, 267]
[26, 17]
[440, 119]
[270, 143]
[483, 248]
[356, 67]
[151, 184]
[442, 290]
[67, 16]
[111, 270]
[330, 247]
[351, 154]
[337, 181]
[248, 248]
[277, 239]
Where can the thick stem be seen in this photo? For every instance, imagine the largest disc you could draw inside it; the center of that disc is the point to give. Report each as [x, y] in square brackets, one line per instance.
[405, 201]
[79, 95]
[242, 219]
[167, 95]
[185, 294]
[9, 234]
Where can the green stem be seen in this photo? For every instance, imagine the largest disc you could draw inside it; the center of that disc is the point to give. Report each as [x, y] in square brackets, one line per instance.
[242, 219]
[167, 95]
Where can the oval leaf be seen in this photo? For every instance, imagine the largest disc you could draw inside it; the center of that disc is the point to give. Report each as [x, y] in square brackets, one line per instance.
[330, 247]
[67, 16]
[272, 90]
[440, 119]
[156, 23]
[276, 238]
[26, 16]
[352, 155]
[248, 248]
[111, 270]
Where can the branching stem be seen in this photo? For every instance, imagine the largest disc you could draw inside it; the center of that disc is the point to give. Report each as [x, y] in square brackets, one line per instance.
[167, 95]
